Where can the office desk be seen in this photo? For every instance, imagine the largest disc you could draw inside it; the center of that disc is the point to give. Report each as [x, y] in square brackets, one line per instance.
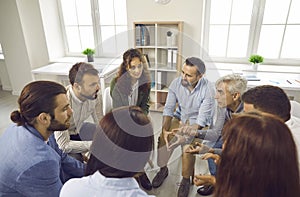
[59, 72]
[289, 82]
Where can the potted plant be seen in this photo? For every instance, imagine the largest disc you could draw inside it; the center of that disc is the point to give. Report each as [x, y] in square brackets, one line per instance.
[255, 60]
[89, 53]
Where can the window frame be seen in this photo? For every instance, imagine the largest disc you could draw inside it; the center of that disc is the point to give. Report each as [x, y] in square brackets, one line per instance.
[96, 25]
[258, 9]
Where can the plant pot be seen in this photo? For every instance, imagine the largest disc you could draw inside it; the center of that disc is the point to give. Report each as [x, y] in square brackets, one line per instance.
[255, 66]
[90, 58]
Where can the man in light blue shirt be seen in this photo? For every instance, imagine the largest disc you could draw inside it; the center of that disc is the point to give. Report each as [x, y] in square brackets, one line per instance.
[194, 94]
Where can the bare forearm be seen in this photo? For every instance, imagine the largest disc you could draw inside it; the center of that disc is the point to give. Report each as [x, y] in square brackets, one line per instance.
[167, 122]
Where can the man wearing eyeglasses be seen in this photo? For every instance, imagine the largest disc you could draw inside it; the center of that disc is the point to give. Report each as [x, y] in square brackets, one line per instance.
[194, 95]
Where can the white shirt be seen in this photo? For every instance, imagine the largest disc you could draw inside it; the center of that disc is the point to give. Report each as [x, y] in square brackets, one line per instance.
[294, 125]
[133, 97]
[99, 185]
[81, 112]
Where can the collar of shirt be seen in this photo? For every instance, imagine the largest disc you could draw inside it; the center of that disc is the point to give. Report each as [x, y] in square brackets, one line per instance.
[34, 131]
[72, 94]
[228, 114]
[293, 122]
[117, 183]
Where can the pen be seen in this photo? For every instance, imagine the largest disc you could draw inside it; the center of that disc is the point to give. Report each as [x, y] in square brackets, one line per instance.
[289, 82]
[275, 82]
[297, 80]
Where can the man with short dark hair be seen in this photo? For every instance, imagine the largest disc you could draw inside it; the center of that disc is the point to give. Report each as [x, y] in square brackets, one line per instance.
[82, 94]
[273, 100]
[195, 97]
[31, 162]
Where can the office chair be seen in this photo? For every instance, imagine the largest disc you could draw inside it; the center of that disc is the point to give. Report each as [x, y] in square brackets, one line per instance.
[107, 101]
[295, 109]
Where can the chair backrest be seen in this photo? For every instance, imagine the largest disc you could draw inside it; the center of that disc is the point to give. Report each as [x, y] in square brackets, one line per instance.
[107, 101]
[295, 109]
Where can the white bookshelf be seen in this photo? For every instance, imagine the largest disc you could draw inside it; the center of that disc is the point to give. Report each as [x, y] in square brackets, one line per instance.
[164, 55]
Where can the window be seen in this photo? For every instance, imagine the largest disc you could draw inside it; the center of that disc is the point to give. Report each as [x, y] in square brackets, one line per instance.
[236, 29]
[97, 24]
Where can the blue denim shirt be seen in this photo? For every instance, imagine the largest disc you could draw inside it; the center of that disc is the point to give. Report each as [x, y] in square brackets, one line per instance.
[197, 105]
[31, 167]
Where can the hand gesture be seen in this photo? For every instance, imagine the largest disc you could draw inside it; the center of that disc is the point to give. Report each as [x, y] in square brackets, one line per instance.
[215, 157]
[186, 129]
[166, 135]
[197, 148]
[204, 180]
[176, 141]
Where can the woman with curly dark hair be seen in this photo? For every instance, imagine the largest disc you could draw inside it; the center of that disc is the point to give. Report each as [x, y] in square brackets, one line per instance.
[131, 86]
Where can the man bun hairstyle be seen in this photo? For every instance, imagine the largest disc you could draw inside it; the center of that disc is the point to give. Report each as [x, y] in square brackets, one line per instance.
[36, 97]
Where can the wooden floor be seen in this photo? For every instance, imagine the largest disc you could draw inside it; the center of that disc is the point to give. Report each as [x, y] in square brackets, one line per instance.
[8, 103]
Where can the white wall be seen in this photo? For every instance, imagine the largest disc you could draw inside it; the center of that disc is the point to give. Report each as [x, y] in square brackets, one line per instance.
[188, 11]
[5, 81]
[31, 21]
[23, 38]
[52, 29]
[13, 45]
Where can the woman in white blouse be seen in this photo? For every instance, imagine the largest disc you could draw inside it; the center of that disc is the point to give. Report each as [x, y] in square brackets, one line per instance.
[121, 148]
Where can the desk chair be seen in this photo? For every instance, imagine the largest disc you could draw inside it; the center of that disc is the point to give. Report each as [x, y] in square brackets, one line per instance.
[107, 101]
[295, 109]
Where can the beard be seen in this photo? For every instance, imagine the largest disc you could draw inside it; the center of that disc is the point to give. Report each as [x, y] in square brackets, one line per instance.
[185, 83]
[90, 97]
[57, 126]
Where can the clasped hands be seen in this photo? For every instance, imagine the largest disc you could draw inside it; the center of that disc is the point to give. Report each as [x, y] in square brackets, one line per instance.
[181, 135]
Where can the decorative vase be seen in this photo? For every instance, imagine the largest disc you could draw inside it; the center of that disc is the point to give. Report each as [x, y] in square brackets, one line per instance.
[90, 58]
[169, 41]
[173, 40]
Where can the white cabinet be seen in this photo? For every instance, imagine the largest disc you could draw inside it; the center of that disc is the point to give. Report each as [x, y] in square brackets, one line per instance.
[161, 43]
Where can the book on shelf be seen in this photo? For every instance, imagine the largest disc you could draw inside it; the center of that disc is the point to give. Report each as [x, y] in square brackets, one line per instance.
[161, 80]
[142, 36]
[152, 75]
[147, 60]
[172, 58]
[138, 35]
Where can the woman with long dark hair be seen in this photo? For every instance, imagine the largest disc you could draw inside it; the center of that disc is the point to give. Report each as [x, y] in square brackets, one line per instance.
[259, 159]
[131, 86]
[121, 147]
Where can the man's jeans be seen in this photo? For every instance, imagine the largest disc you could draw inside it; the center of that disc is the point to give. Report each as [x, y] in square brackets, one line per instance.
[211, 164]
